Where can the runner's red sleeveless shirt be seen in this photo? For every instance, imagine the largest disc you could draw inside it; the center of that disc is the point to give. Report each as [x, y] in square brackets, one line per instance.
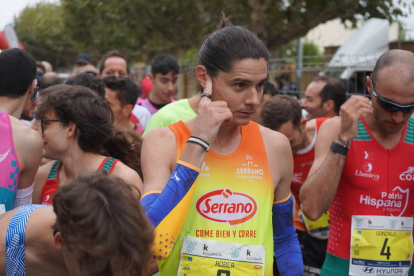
[375, 181]
[52, 182]
[303, 161]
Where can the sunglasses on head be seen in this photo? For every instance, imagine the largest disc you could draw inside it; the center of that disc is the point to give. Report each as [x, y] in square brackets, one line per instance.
[388, 105]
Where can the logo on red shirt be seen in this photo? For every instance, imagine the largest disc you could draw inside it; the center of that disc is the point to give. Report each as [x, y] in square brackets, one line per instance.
[408, 175]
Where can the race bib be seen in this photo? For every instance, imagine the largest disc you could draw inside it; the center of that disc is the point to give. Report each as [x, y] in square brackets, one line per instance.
[207, 257]
[381, 245]
[2, 209]
[319, 228]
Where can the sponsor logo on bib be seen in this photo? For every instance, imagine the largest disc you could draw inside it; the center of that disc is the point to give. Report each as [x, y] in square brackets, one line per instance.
[368, 270]
[226, 206]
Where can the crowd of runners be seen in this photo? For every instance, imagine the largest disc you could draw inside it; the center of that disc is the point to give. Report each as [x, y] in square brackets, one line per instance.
[101, 176]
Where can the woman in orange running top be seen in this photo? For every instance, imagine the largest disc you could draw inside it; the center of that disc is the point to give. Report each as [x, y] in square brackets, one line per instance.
[75, 125]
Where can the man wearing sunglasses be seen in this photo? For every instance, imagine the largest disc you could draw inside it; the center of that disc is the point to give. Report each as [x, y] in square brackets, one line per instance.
[20, 146]
[364, 173]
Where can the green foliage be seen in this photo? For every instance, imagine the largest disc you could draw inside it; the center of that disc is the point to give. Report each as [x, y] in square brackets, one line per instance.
[310, 49]
[146, 28]
[41, 30]
[142, 29]
[311, 54]
[291, 50]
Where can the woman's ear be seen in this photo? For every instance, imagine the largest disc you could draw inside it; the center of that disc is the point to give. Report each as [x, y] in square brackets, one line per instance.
[72, 129]
[201, 75]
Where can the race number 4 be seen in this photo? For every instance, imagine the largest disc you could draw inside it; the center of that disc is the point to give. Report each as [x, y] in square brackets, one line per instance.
[384, 246]
[381, 245]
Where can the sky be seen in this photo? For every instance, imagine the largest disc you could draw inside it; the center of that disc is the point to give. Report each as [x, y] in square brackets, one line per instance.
[11, 8]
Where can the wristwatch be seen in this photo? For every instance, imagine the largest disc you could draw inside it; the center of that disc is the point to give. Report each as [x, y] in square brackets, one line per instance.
[339, 148]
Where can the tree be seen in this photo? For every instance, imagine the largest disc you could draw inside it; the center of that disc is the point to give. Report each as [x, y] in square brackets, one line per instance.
[42, 31]
[297, 17]
[141, 28]
[150, 27]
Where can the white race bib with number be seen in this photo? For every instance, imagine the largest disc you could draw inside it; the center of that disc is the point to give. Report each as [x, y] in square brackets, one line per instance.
[2, 209]
[207, 257]
[381, 245]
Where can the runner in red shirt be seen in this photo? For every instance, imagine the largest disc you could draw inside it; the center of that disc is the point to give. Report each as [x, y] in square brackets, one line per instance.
[363, 170]
[283, 113]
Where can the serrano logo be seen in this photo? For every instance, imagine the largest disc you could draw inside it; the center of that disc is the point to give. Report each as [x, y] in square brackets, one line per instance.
[408, 175]
[226, 206]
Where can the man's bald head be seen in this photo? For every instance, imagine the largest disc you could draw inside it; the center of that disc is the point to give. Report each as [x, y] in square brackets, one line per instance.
[48, 79]
[400, 58]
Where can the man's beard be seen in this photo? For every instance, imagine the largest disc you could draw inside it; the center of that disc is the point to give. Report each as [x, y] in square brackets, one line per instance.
[26, 115]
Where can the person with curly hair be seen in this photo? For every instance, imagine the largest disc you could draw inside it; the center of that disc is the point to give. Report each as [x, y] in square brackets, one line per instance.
[95, 227]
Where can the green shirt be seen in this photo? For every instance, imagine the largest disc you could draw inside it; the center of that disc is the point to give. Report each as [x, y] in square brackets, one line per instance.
[170, 114]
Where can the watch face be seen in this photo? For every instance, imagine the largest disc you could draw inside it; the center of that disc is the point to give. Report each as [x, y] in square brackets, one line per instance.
[338, 148]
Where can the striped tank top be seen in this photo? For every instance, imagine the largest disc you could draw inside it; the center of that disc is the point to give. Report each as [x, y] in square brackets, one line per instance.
[15, 241]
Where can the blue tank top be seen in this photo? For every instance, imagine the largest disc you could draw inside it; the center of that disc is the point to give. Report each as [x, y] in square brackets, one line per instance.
[15, 241]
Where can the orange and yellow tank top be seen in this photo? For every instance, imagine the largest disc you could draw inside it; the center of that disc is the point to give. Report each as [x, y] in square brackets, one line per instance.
[228, 230]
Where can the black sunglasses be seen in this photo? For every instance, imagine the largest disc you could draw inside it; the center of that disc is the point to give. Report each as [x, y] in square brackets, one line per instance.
[388, 105]
[42, 122]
